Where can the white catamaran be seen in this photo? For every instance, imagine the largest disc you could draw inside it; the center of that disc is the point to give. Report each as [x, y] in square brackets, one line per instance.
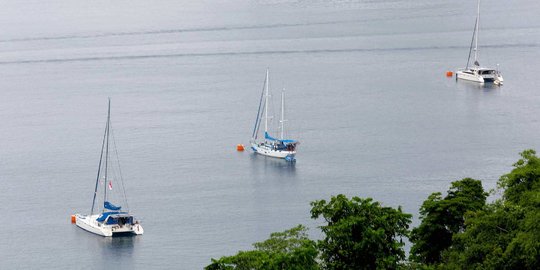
[111, 220]
[270, 146]
[476, 73]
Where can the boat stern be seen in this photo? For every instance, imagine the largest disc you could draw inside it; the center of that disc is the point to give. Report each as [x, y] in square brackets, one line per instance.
[499, 79]
[138, 229]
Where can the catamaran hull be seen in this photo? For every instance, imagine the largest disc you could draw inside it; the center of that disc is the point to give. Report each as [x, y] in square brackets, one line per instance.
[497, 79]
[89, 223]
[287, 155]
[469, 77]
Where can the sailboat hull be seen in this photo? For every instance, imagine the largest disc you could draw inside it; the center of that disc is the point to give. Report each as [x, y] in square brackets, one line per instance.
[89, 223]
[269, 152]
[469, 77]
[480, 75]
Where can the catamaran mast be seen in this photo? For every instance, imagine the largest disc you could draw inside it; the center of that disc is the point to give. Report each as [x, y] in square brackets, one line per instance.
[107, 153]
[99, 166]
[476, 34]
[266, 106]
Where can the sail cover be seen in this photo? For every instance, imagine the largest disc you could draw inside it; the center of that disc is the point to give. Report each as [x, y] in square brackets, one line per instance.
[268, 137]
[111, 206]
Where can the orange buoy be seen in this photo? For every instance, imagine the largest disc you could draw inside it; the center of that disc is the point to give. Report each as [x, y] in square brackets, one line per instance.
[449, 74]
[240, 147]
[73, 219]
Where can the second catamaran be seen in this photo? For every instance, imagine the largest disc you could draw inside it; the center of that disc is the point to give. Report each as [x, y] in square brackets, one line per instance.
[476, 73]
[270, 146]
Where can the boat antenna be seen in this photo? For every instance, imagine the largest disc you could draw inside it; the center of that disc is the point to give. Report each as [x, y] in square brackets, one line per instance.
[99, 166]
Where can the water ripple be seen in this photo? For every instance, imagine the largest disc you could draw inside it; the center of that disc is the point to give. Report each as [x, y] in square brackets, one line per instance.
[266, 52]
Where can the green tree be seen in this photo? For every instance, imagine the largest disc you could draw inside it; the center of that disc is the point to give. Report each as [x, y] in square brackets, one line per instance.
[360, 233]
[291, 249]
[522, 184]
[442, 218]
[506, 234]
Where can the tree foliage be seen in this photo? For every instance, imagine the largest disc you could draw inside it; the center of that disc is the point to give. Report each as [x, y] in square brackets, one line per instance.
[360, 233]
[506, 234]
[443, 217]
[457, 231]
[522, 184]
[291, 249]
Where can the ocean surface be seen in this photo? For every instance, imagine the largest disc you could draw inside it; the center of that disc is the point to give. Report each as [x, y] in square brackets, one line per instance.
[366, 95]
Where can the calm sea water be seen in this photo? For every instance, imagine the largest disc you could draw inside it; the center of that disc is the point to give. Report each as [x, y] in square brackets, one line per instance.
[367, 97]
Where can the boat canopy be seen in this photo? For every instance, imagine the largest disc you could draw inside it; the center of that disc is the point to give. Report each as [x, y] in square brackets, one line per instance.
[268, 137]
[121, 220]
[111, 206]
[105, 215]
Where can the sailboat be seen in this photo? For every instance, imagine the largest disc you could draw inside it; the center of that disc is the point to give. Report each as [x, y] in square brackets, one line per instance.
[110, 220]
[476, 73]
[270, 146]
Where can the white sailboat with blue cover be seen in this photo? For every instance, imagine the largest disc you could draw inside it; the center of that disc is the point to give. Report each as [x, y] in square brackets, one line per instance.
[110, 220]
[270, 146]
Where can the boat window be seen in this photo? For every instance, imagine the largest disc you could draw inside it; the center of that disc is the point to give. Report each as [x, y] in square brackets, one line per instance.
[112, 221]
[122, 220]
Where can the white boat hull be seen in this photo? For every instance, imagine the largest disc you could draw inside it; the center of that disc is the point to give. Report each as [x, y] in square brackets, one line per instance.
[90, 224]
[473, 76]
[267, 151]
[469, 77]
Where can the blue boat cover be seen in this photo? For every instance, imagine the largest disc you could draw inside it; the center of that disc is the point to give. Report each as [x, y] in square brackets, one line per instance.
[104, 215]
[111, 206]
[112, 221]
[268, 137]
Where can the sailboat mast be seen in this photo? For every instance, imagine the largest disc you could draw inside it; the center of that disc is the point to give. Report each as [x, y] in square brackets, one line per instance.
[476, 35]
[107, 153]
[258, 120]
[282, 121]
[266, 105]
[99, 167]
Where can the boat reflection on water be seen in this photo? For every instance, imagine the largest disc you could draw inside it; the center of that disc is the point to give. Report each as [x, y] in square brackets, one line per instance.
[484, 87]
[113, 248]
[118, 252]
[271, 166]
[121, 242]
